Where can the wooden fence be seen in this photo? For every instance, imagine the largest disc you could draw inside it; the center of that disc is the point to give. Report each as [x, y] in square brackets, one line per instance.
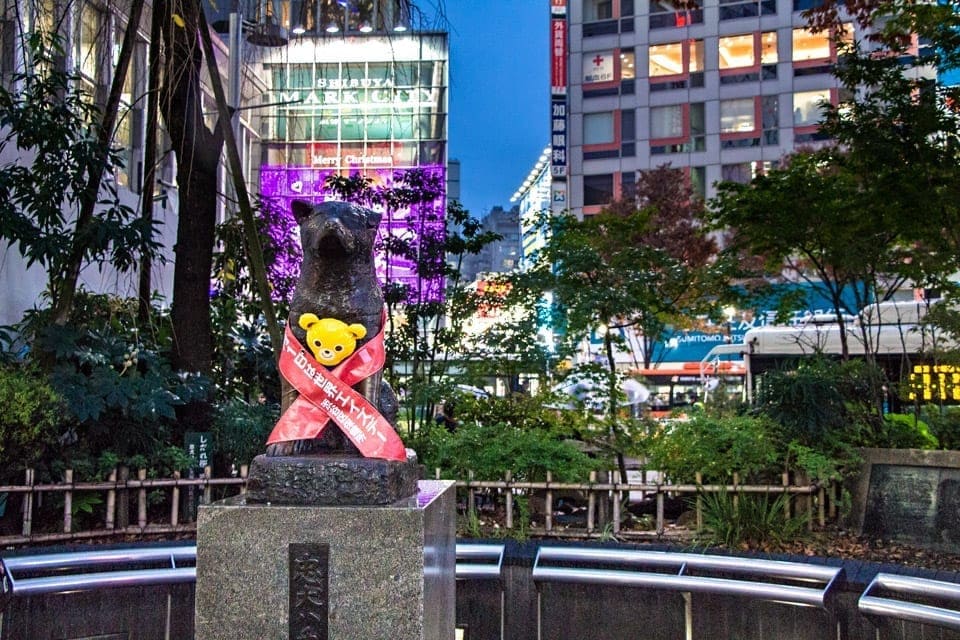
[122, 492]
[142, 506]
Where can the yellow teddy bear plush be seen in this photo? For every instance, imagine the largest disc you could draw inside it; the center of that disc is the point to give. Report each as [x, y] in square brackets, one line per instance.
[330, 340]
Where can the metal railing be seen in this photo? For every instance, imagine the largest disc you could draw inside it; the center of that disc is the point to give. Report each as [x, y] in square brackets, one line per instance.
[761, 579]
[479, 561]
[37, 574]
[770, 580]
[920, 592]
[31, 575]
[484, 562]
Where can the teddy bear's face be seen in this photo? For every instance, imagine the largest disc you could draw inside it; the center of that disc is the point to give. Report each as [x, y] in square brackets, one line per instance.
[329, 339]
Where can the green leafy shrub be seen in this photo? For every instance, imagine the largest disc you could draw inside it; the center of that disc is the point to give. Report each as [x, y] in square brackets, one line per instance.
[944, 423]
[816, 465]
[717, 447]
[240, 431]
[749, 520]
[31, 420]
[520, 410]
[119, 389]
[902, 431]
[493, 449]
[820, 404]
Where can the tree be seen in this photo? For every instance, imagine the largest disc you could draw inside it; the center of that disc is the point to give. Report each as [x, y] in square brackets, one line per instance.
[425, 335]
[878, 206]
[676, 229]
[197, 148]
[56, 130]
[809, 217]
[645, 263]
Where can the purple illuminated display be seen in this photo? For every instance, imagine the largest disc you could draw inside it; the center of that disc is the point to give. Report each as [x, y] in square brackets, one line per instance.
[417, 226]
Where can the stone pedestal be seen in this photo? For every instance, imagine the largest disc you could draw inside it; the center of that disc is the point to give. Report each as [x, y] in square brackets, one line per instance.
[340, 572]
[331, 480]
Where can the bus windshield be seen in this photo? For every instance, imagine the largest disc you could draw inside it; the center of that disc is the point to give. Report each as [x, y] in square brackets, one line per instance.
[675, 386]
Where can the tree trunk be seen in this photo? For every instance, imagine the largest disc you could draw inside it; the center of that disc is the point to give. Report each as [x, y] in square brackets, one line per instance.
[64, 297]
[612, 393]
[197, 150]
[144, 288]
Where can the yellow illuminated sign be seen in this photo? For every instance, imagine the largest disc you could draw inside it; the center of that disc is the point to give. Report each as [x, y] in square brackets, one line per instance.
[935, 382]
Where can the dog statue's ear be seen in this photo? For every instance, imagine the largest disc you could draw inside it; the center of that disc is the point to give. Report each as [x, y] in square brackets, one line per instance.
[373, 219]
[301, 210]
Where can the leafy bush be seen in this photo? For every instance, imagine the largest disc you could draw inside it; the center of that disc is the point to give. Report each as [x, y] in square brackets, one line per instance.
[749, 519]
[520, 410]
[493, 449]
[903, 431]
[240, 431]
[718, 447]
[31, 420]
[119, 390]
[944, 423]
[816, 465]
[820, 404]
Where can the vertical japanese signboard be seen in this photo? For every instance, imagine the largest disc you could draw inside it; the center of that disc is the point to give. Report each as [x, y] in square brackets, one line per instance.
[558, 103]
[200, 451]
[558, 47]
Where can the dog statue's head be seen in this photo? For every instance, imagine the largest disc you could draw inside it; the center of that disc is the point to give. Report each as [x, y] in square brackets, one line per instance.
[332, 230]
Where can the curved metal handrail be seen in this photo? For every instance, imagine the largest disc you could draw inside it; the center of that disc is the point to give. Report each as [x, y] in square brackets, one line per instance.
[479, 561]
[758, 575]
[920, 588]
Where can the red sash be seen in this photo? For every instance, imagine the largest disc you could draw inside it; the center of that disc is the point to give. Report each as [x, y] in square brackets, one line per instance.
[327, 395]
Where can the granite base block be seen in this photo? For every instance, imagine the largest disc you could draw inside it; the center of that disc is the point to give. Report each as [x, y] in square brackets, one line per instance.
[391, 572]
[331, 480]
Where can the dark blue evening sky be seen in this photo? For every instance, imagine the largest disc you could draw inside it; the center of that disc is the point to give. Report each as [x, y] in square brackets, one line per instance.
[499, 95]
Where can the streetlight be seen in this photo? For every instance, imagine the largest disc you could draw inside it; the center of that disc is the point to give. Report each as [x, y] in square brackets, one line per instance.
[729, 312]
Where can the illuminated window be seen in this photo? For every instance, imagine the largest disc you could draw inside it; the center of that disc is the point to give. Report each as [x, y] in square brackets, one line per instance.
[738, 116]
[808, 107]
[676, 59]
[666, 59]
[695, 63]
[627, 65]
[598, 128]
[737, 51]
[748, 57]
[768, 47]
[818, 46]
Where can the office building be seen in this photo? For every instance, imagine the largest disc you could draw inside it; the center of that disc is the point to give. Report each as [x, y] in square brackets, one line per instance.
[500, 256]
[723, 92]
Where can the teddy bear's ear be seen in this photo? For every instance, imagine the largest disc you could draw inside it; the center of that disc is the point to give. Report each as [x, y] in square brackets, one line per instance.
[307, 320]
[301, 210]
[358, 330]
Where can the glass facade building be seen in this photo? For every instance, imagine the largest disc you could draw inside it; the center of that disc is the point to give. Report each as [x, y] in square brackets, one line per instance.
[373, 105]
